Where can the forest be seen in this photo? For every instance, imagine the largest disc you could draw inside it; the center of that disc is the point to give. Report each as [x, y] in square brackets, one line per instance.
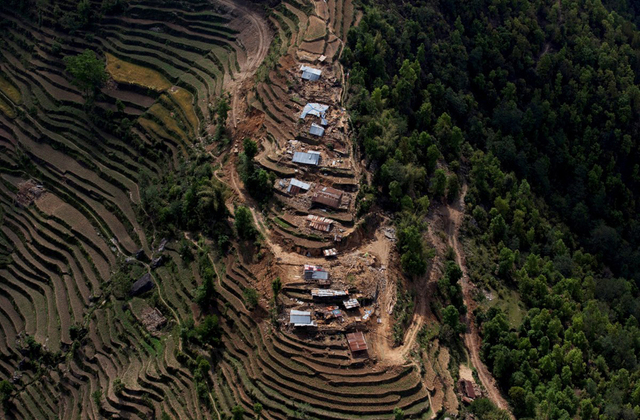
[534, 105]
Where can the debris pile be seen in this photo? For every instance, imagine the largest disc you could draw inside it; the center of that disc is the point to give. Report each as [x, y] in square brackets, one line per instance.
[152, 319]
[28, 192]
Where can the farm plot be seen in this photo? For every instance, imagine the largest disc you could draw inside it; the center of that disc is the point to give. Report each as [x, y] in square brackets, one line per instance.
[317, 29]
[125, 72]
[62, 248]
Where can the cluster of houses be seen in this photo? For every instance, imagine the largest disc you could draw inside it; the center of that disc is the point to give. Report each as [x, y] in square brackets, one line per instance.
[315, 196]
[330, 310]
[330, 305]
[324, 196]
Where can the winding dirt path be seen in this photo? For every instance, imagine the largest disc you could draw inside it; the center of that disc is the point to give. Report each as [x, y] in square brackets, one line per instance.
[422, 315]
[471, 338]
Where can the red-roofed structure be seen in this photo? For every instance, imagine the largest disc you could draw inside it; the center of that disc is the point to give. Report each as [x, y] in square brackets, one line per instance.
[356, 342]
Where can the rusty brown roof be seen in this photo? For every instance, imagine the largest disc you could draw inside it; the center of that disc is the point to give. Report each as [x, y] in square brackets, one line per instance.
[467, 387]
[356, 341]
[327, 196]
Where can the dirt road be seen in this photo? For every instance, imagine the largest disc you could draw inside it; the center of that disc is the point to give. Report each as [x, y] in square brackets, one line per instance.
[471, 338]
[422, 315]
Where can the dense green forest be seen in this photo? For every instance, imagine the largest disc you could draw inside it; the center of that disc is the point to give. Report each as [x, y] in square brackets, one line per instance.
[536, 104]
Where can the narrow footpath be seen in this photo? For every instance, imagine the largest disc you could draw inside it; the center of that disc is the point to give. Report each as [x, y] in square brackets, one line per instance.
[471, 338]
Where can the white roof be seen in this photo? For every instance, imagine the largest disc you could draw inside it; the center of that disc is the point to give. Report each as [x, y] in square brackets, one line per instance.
[351, 303]
[300, 313]
[300, 318]
[328, 293]
[330, 252]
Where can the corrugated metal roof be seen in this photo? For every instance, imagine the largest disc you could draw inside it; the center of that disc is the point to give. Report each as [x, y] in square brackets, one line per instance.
[306, 158]
[311, 70]
[328, 293]
[309, 73]
[327, 196]
[356, 341]
[323, 227]
[142, 285]
[316, 130]
[300, 318]
[295, 183]
[320, 275]
[327, 200]
[316, 109]
[331, 191]
[312, 272]
[314, 218]
[332, 252]
[319, 223]
[301, 313]
[351, 303]
[468, 389]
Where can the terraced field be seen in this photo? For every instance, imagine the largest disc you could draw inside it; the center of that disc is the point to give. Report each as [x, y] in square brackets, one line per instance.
[289, 375]
[69, 232]
[167, 61]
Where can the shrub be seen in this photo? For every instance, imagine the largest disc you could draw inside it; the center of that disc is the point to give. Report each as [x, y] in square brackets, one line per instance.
[251, 298]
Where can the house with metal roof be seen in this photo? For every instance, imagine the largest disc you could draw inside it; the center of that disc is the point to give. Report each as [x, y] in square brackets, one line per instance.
[318, 110]
[296, 186]
[319, 223]
[301, 319]
[328, 293]
[351, 303]
[307, 158]
[316, 130]
[467, 390]
[356, 341]
[331, 252]
[310, 73]
[315, 273]
[142, 285]
[327, 196]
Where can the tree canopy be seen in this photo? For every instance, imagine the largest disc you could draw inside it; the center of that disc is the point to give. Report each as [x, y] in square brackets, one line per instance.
[87, 70]
[536, 105]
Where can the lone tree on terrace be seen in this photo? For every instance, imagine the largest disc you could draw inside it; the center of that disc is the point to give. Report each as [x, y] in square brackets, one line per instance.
[244, 224]
[88, 71]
